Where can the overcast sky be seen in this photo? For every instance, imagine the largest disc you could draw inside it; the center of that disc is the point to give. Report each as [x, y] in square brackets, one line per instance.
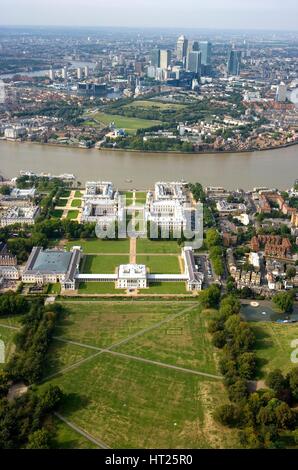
[248, 14]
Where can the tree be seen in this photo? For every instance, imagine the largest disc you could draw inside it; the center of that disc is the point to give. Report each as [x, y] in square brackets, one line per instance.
[284, 301]
[247, 365]
[210, 297]
[219, 339]
[291, 272]
[39, 439]
[276, 380]
[228, 415]
[212, 237]
[5, 190]
[238, 391]
[292, 378]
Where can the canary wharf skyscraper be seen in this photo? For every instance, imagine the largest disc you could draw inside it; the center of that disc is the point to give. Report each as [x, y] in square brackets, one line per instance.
[234, 62]
[182, 46]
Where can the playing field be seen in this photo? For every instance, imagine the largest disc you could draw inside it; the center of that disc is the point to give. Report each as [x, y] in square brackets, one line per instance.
[131, 125]
[101, 246]
[273, 345]
[128, 402]
[102, 264]
[160, 264]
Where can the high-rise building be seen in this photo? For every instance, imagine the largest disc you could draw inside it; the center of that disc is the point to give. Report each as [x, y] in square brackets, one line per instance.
[193, 46]
[281, 93]
[234, 62]
[165, 58]
[51, 74]
[86, 71]
[155, 57]
[206, 51]
[182, 46]
[79, 73]
[193, 63]
[64, 72]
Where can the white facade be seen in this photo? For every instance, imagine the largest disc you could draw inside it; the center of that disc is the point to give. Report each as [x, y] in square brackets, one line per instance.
[102, 204]
[132, 276]
[9, 272]
[19, 215]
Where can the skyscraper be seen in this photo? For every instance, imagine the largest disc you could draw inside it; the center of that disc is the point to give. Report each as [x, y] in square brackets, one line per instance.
[281, 93]
[182, 46]
[165, 58]
[155, 57]
[193, 63]
[206, 51]
[234, 62]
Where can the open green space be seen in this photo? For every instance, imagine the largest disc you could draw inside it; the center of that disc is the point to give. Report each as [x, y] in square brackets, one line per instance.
[101, 246]
[99, 288]
[72, 214]
[7, 336]
[150, 104]
[131, 125]
[183, 342]
[160, 264]
[76, 203]
[144, 245]
[54, 289]
[67, 438]
[102, 324]
[62, 202]
[57, 213]
[166, 288]
[129, 404]
[102, 264]
[66, 193]
[273, 346]
[78, 194]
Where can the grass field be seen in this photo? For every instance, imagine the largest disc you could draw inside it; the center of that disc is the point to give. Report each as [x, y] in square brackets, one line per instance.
[54, 288]
[99, 288]
[150, 104]
[273, 346]
[160, 264]
[66, 438]
[61, 202]
[101, 246]
[78, 194]
[167, 288]
[102, 264]
[57, 213]
[144, 245]
[131, 125]
[72, 214]
[128, 404]
[76, 203]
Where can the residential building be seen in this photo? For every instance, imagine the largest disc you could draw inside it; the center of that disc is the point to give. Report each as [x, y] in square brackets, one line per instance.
[19, 215]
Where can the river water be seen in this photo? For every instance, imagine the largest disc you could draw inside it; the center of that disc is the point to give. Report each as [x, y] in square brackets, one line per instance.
[273, 168]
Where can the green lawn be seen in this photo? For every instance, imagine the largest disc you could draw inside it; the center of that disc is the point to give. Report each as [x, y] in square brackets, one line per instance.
[103, 264]
[160, 264]
[99, 288]
[183, 342]
[72, 214]
[67, 438]
[101, 246]
[147, 104]
[273, 346]
[57, 213]
[61, 202]
[78, 194]
[145, 245]
[65, 193]
[76, 203]
[166, 288]
[131, 125]
[54, 288]
[129, 404]
[102, 324]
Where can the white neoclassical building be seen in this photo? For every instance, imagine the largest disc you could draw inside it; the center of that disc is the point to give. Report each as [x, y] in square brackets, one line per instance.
[132, 276]
[166, 206]
[102, 204]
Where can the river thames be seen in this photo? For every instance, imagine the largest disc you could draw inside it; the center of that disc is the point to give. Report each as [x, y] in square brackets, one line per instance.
[139, 170]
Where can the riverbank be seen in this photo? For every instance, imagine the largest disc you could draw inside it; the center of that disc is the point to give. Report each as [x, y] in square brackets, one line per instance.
[177, 152]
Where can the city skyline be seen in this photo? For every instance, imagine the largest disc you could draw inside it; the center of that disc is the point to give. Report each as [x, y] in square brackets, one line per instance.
[267, 15]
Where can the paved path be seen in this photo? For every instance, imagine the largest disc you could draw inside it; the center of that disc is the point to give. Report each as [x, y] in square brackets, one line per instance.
[9, 327]
[76, 428]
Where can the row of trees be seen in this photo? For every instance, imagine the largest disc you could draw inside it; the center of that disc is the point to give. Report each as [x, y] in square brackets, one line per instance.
[214, 245]
[261, 416]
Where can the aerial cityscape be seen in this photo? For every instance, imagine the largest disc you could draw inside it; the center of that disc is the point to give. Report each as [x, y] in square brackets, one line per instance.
[149, 227]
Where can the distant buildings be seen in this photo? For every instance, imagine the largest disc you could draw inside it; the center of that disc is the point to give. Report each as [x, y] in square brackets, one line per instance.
[155, 58]
[281, 93]
[234, 62]
[165, 58]
[206, 52]
[182, 46]
[193, 63]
